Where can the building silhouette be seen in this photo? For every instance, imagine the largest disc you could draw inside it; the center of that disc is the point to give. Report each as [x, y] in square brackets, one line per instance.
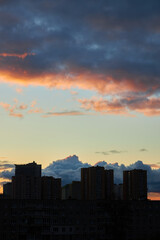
[118, 192]
[96, 183]
[109, 184]
[7, 190]
[50, 187]
[135, 184]
[92, 208]
[72, 191]
[26, 184]
[79, 220]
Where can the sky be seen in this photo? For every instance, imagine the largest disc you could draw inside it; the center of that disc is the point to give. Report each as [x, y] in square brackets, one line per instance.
[80, 78]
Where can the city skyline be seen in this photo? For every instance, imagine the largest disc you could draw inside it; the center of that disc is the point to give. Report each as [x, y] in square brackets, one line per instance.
[80, 78]
[95, 183]
[69, 170]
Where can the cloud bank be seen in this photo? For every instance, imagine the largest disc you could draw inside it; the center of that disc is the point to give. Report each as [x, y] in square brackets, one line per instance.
[111, 47]
[69, 169]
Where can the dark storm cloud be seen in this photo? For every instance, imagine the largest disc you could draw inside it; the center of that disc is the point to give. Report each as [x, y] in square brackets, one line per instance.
[92, 44]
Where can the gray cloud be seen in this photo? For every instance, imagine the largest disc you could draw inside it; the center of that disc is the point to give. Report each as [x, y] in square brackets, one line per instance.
[69, 169]
[104, 153]
[143, 150]
[64, 113]
[114, 151]
[117, 43]
[4, 164]
[7, 174]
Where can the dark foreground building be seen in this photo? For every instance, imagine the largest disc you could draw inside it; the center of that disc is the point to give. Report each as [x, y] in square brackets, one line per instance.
[26, 184]
[79, 220]
[97, 183]
[135, 184]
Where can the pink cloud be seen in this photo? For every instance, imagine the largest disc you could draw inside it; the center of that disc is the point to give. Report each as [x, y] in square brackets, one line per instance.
[74, 93]
[19, 90]
[33, 103]
[13, 114]
[154, 166]
[65, 113]
[11, 109]
[23, 106]
[36, 110]
[103, 106]
[22, 56]
[147, 106]
[16, 109]
[83, 79]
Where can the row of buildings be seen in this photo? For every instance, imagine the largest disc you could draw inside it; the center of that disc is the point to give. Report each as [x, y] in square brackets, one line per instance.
[33, 207]
[79, 220]
[96, 183]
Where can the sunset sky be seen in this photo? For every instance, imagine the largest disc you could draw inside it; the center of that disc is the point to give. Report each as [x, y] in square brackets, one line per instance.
[80, 78]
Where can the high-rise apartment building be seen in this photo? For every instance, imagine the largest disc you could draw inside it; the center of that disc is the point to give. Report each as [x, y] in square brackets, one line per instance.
[96, 183]
[135, 184]
[118, 191]
[50, 187]
[109, 184]
[72, 191]
[26, 184]
[7, 190]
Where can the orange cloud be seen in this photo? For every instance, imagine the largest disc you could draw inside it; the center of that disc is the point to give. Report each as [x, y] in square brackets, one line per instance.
[67, 113]
[6, 106]
[11, 109]
[154, 166]
[154, 196]
[13, 114]
[19, 90]
[103, 106]
[105, 84]
[36, 110]
[22, 56]
[74, 93]
[147, 106]
[23, 106]
[33, 103]
[14, 109]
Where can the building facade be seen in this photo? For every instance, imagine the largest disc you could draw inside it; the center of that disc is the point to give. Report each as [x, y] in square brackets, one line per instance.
[26, 184]
[79, 220]
[135, 184]
[7, 190]
[72, 191]
[50, 187]
[96, 183]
